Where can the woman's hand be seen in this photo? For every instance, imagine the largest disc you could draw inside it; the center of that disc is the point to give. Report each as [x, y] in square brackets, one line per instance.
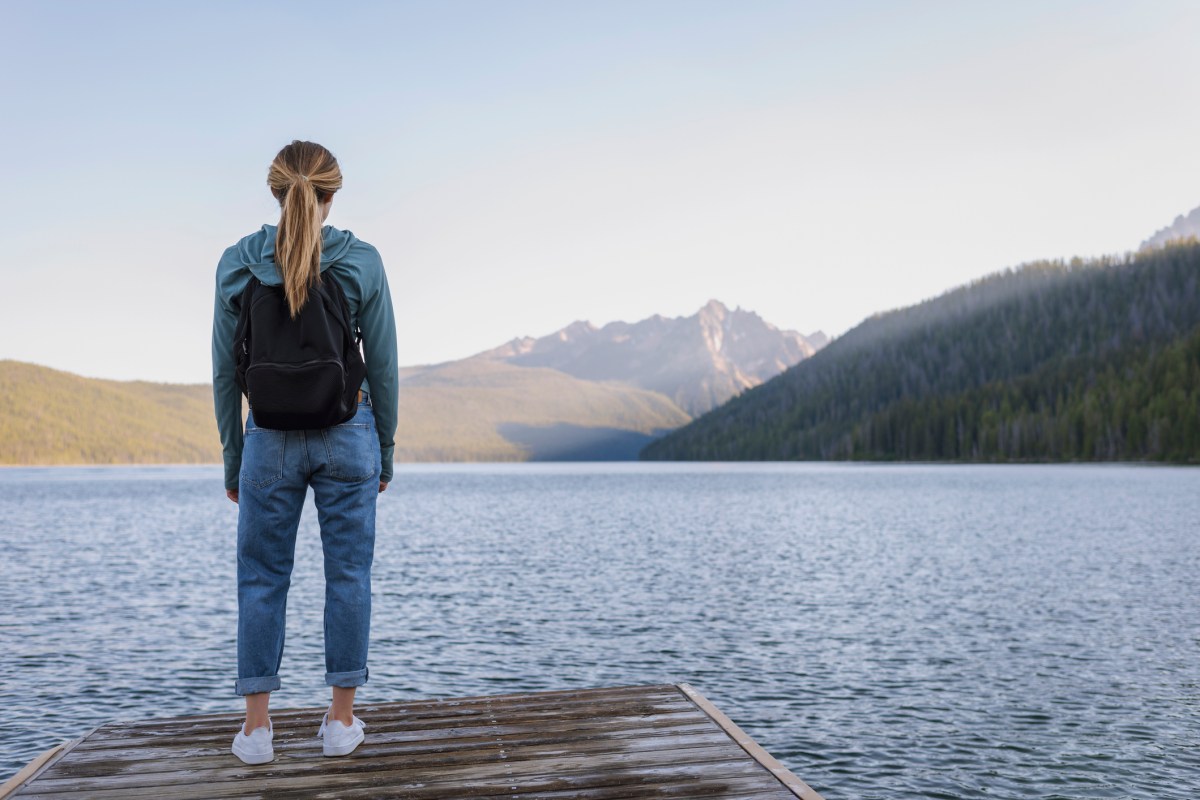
[382, 487]
[232, 494]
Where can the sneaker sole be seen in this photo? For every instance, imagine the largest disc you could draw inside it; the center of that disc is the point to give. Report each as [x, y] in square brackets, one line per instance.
[254, 758]
[343, 750]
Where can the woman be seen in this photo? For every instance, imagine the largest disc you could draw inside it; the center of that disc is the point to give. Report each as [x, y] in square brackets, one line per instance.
[268, 472]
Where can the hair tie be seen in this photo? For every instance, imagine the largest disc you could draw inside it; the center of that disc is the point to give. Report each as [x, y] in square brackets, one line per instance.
[305, 177]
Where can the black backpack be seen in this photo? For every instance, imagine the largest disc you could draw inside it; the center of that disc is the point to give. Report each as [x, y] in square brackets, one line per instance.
[302, 373]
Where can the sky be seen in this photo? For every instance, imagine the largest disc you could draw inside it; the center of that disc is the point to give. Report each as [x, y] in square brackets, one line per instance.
[524, 164]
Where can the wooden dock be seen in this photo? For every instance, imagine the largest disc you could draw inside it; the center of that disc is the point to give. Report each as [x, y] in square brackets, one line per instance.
[662, 740]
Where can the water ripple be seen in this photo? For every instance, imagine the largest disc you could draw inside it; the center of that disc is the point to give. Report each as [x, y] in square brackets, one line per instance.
[885, 631]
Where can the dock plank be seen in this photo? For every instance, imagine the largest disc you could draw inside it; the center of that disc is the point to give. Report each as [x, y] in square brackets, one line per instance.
[405, 743]
[117, 736]
[656, 740]
[376, 757]
[436, 705]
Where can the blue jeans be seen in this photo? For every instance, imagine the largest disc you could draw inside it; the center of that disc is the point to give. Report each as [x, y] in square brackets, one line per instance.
[341, 463]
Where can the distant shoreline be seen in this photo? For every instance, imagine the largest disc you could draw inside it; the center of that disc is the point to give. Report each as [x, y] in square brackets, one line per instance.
[656, 464]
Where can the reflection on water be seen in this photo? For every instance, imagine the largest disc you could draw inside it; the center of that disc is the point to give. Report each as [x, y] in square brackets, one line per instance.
[885, 631]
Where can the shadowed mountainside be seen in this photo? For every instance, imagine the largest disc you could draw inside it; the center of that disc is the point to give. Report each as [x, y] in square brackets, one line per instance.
[483, 410]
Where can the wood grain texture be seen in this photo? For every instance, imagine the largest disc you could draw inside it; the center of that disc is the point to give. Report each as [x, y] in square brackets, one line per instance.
[657, 740]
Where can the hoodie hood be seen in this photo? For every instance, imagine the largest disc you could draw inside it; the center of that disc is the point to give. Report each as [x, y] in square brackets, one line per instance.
[257, 251]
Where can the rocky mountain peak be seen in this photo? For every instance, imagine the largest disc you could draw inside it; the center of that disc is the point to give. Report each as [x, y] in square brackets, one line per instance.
[714, 309]
[1183, 227]
[576, 330]
[698, 361]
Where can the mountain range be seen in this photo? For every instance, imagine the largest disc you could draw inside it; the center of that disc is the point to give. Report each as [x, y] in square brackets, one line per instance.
[1079, 360]
[581, 393]
[587, 392]
[698, 361]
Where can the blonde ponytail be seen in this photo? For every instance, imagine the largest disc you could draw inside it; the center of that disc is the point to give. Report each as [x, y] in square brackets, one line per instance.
[302, 176]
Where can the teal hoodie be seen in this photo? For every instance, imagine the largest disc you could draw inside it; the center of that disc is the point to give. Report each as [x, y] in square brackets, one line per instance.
[359, 271]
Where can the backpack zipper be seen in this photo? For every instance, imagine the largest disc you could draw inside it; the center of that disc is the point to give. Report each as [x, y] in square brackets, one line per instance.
[288, 365]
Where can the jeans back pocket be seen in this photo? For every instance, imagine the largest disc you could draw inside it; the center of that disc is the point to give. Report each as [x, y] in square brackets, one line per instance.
[262, 456]
[352, 448]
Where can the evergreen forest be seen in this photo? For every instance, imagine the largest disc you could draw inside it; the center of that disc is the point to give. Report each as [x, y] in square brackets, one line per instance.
[1086, 360]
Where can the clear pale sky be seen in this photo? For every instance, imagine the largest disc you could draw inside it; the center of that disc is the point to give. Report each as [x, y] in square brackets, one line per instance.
[521, 165]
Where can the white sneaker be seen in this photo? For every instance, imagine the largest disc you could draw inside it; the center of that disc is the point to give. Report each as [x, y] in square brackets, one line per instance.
[338, 738]
[255, 748]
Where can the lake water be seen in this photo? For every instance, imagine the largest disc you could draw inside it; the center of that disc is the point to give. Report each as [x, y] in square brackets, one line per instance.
[886, 631]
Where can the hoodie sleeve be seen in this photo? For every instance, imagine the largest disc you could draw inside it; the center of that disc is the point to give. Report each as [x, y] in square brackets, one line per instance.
[378, 325]
[227, 398]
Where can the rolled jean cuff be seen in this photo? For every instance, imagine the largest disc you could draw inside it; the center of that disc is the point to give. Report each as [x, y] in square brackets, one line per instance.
[345, 680]
[267, 683]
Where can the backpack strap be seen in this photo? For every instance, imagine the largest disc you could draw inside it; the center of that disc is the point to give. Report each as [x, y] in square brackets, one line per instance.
[340, 306]
[241, 332]
[241, 304]
[335, 300]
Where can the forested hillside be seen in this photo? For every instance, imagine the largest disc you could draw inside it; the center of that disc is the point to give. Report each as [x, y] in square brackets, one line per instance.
[53, 417]
[1087, 360]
